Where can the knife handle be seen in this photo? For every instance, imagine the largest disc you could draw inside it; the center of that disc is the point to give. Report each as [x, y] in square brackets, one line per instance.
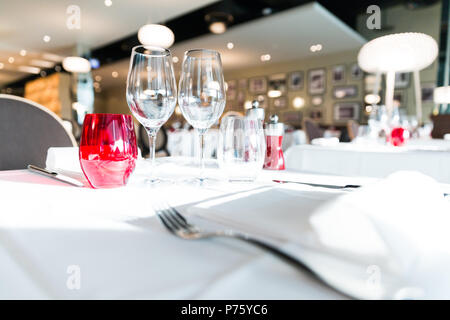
[41, 170]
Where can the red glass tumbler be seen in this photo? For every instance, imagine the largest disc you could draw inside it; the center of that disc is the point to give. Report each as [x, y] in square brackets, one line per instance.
[108, 149]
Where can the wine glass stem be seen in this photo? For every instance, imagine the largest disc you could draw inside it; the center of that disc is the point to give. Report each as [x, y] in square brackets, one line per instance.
[201, 139]
[151, 149]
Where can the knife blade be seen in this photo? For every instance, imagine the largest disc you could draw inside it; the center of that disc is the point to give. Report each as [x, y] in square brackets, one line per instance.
[330, 186]
[55, 175]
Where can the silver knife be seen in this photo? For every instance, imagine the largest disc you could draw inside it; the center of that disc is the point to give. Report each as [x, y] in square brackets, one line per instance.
[55, 175]
[330, 186]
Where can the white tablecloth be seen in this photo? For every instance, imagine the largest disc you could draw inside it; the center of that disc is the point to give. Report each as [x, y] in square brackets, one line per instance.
[59, 241]
[372, 160]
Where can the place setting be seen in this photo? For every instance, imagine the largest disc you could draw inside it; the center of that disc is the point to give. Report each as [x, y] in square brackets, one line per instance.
[212, 161]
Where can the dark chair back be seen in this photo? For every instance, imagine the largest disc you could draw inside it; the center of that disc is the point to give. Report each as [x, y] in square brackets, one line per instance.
[312, 130]
[161, 141]
[352, 128]
[27, 130]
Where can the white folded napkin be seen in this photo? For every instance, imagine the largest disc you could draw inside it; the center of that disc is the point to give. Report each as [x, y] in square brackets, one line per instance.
[403, 218]
[62, 158]
[373, 241]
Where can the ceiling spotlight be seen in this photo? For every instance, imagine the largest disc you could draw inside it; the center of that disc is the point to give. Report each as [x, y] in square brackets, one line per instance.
[96, 85]
[1, 65]
[156, 35]
[175, 59]
[316, 47]
[23, 52]
[218, 21]
[266, 11]
[98, 78]
[43, 73]
[230, 45]
[115, 74]
[11, 59]
[76, 65]
[108, 3]
[265, 57]
[46, 38]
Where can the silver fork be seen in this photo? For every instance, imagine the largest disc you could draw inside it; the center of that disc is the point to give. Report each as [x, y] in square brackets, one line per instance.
[179, 226]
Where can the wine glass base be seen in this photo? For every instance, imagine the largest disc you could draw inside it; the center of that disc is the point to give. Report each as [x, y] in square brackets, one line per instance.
[157, 182]
[201, 182]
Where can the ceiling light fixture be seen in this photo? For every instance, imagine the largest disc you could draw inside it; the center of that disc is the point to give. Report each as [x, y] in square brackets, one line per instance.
[11, 59]
[175, 59]
[29, 69]
[115, 74]
[1, 65]
[76, 65]
[315, 48]
[46, 38]
[23, 52]
[156, 35]
[108, 3]
[98, 78]
[42, 63]
[218, 21]
[230, 45]
[265, 57]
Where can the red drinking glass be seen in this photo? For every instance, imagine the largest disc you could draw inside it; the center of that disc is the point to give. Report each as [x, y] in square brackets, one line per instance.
[398, 136]
[108, 149]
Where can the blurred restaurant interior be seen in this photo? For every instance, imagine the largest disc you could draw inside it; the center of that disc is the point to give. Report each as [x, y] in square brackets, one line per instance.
[318, 131]
[270, 52]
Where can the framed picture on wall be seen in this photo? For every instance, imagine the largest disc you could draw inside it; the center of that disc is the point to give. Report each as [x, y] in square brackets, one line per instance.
[316, 81]
[355, 72]
[231, 90]
[427, 91]
[402, 80]
[338, 74]
[240, 99]
[344, 92]
[296, 80]
[371, 82]
[277, 82]
[242, 84]
[257, 85]
[315, 114]
[344, 111]
[280, 102]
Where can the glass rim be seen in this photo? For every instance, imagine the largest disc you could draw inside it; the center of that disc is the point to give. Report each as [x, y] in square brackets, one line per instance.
[210, 51]
[107, 115]
[163, 52]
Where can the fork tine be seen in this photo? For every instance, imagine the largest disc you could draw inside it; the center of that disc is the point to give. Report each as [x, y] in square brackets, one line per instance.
[173, 222]
[168, 227]
[180, 217]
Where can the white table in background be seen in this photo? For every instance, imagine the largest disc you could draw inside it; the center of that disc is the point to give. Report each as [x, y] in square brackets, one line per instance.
[431, 157]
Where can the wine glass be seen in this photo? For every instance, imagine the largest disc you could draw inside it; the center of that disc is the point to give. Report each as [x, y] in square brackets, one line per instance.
[201, 94]
[151, 92]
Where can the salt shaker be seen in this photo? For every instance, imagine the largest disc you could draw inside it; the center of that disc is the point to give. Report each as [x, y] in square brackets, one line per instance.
[255, 112]
[274, 131]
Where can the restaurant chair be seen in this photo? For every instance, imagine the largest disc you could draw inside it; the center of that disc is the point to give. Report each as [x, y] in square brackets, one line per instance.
[352, 129]
[312, 130]
[27, 130]
[161, 141]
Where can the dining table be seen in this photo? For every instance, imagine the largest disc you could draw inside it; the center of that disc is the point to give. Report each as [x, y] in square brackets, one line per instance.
[59, 241]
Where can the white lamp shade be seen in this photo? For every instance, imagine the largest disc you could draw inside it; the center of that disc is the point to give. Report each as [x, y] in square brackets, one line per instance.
[76, 64]
[399, 52]
[442, 95]
[156, 35]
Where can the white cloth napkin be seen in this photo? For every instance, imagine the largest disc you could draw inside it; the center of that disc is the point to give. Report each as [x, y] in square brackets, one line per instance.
[373, 242]
[331, 141]
[62, 158]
